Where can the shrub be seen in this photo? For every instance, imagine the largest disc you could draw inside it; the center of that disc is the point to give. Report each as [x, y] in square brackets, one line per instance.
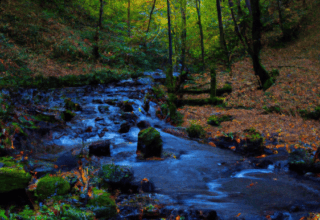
[196, 131]
[216, 120]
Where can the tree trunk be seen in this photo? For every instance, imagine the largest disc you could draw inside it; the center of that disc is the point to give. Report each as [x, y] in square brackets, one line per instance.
[256, 38]
[201, 32]
[213, 86]
[129, 18]
[150, 16]
[96, 38]
[170, 72]
[183, 40]
[222, 39]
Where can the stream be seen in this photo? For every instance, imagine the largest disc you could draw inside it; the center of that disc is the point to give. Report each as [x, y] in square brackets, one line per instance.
[199, 177]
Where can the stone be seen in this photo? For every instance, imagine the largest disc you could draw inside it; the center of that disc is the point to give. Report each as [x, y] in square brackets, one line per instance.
[89, 129]
[100, 148]
[101, 134]
[98, 119]
[97, 101]
[149, 143]
[103, 109]
[50, 185]
[102, 204]
[117, 177]
[111, 101]
[67, 162]
[129, 117]
[13, 178]
[124, 127]
[143, 124]
[147, 186]
[262, 163]
[125, 106]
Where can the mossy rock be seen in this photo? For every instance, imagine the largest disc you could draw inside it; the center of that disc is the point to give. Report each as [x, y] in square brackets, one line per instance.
[215, 120]
[50, 185]
[116, 177]
[301, 162]
[149, 143]
[67, 115]
[102, 204]
[70, 105]
[196, 131]
[12, 178]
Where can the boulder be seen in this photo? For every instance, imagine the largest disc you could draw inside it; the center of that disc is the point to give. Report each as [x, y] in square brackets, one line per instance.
[124, 127]
[66, 162]
[301, 162]
[125, 106]
[13, 178]
[103, 109]
[97, 101]
[149, 143]
[143, 124]
[100, 148]
[129, 117]
[50, 185]
[117, 177]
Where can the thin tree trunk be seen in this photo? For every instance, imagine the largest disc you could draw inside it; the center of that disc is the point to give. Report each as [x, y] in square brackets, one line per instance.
[222, 38]
[256, 38]
[201, 32]
[183, 34]
[129, 18]
[99, 26]
[150, 16]
[213, 86]
[170, 74]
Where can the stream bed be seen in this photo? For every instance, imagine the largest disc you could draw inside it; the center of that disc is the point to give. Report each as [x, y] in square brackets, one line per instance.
[198, 177]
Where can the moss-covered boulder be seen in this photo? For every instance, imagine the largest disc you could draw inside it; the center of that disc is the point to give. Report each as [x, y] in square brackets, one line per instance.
[253, 145]
[196, 131]
[102, 204]
[301, 161]
[116, 177]
[70, 105]
[67, 115]
[12, 178]
[149, 143]
[50, 185]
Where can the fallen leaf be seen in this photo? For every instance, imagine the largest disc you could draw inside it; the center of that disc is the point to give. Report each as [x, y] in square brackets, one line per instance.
[238, 215]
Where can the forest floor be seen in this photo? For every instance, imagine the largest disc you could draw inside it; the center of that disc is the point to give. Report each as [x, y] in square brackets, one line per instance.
[297, 87]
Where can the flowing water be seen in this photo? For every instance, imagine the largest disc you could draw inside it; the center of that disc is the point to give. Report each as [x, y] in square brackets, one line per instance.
[200, 177]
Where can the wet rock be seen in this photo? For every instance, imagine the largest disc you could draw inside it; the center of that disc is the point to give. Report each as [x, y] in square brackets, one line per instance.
[67, 115]
[117, 177]
[70, 105]
[131, 118]
[67, 162]
[281, 216]
[143, 124]
[103, 109]
[105, 129]
[43, 170]
[298, 206]
[100, 148]
[149, 143]
[13, 177]
[300, 161]
[102, 134]
[147, 186]
[262, 163]
[97, 101]
[212, 215]
[111, 101]
[98, 119]
[125, 106]
[146, 105]
[89, 129]
[124, 127]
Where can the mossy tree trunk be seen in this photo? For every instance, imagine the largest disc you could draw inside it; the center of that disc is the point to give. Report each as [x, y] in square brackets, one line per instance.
[213, 88]
[170, 71]
[201, 33]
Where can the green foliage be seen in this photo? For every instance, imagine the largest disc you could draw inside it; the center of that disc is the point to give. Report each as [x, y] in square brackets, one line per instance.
[268, 84]
[158, 92]
[270, 109]
[2, 214]
[70, 105]
[74, 213]
[177, 119]
[310, 115]
[102, 204]
[51, 185]
[216, 120]
[196, 131]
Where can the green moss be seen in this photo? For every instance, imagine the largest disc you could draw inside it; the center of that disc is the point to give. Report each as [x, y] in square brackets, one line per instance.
[196, 131]
[268, 84]
[13, 178]
[102, 204]
[48, 186]
[47, 118]
[67, 115]
[216, 120]
[2, 214]
[70, 105]
[150, 135]
[115, 173]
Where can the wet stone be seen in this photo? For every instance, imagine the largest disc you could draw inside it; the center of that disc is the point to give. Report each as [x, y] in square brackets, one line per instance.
[143, 124]
[103, 109]
[67, 162]
[97, 101]
[124, 127]
[100, 148]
